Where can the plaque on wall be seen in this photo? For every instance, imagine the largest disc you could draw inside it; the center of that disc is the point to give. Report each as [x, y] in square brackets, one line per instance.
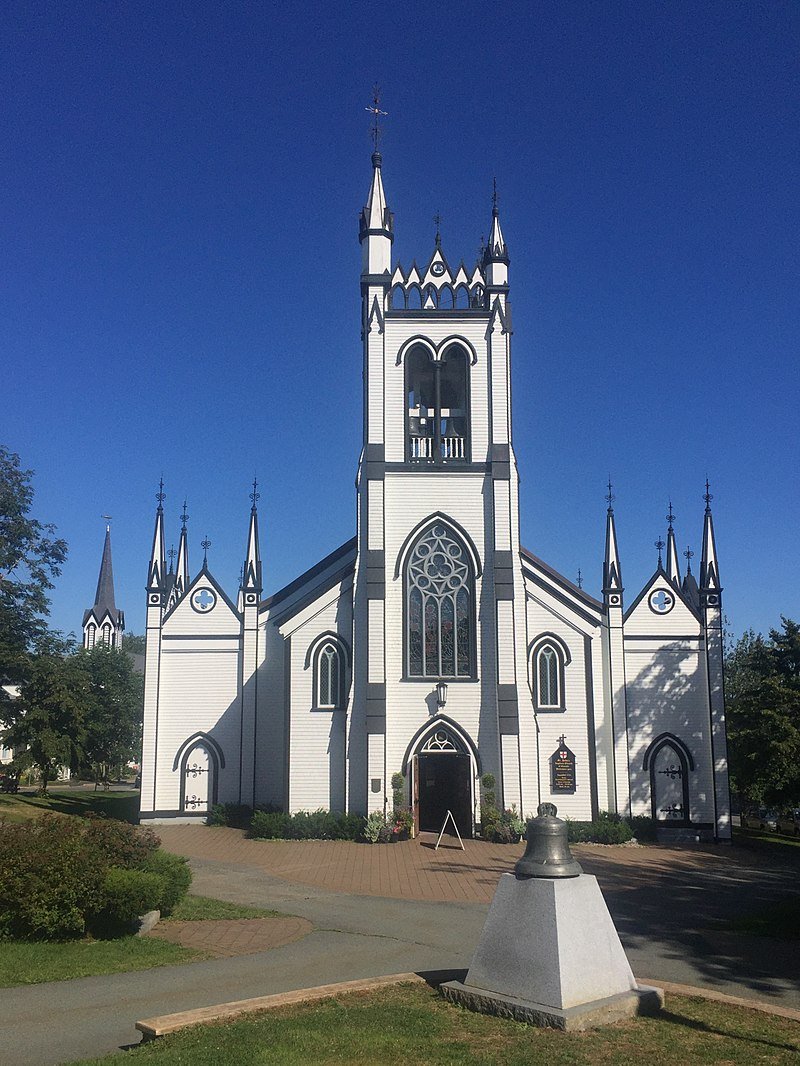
[562, 768]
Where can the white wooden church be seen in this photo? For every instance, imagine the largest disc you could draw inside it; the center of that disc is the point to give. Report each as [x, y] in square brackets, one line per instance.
[433, 644]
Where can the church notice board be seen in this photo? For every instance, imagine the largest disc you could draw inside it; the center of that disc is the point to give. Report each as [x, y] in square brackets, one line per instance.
[562, 769]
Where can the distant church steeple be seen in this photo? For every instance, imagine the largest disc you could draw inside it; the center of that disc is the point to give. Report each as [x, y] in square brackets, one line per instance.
[103, 623]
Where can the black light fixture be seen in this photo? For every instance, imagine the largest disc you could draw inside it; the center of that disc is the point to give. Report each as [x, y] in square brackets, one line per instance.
[441, 694]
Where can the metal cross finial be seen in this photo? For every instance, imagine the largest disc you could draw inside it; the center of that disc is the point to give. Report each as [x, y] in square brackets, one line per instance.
[707, 496]
[437, 218]
[610, 497]
[184, 515]
[688, 556]
[161, 495]
[375, 110]
[205, 544]
[255, 494]
[580, 579]
[670, 516]
[660, 546]
[562, 741]
[171, 555]
[494, 196]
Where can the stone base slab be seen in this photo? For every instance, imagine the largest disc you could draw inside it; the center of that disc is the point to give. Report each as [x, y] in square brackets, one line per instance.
[643, 999]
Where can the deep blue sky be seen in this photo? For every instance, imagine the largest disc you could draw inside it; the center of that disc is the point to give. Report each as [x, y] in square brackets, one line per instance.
[179, 294]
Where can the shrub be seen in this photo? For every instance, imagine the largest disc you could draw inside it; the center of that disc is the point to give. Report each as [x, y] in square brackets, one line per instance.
[176, 876]
[375, 827]
[49, 878]
[236, 815]
[129, 893]
[269, 825]
[505, 828]
[398, 790]
[605, 829]
[119, 843]
[644, 828]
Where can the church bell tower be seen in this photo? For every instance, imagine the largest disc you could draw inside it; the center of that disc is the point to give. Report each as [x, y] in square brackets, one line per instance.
[439, 641]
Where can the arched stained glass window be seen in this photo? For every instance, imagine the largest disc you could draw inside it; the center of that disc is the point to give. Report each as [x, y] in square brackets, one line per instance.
[549, 695]
[328, 676]
[440, 606]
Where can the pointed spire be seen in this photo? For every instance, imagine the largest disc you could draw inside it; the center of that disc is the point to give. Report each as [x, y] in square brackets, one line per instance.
[251, 575]
[496, 250]
[376, 223]
[673, 567]
[158, 567]
[709, 567]
[182, 572]
[104, 597]
[689, 587]
[612, 572]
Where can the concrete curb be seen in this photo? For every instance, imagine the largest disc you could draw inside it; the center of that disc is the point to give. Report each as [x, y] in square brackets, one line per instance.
[723, 997]
[151, 1028]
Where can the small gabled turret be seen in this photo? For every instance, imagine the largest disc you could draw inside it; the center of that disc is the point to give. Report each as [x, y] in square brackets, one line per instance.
[673, 567]
[251, 574]
[157, 572]
[612, 572]
[709, 567]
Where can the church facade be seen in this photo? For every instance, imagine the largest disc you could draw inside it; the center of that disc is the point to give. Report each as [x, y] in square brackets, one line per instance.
[433, 644]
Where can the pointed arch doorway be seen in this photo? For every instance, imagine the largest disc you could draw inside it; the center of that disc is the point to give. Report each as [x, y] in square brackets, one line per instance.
[442, 777]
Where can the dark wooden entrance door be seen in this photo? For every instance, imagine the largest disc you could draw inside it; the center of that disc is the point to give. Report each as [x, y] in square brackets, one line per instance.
[443, 784]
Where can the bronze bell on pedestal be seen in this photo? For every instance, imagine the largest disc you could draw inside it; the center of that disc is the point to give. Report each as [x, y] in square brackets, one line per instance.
[547, 852]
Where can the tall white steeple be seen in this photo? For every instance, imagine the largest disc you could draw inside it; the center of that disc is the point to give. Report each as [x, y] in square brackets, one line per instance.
[709, 567]
[376, 224]
[612, 572]
[251, 574]
[182, 571]
[157, 571]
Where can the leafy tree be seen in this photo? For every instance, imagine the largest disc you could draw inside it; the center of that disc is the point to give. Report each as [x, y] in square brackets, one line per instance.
[47, 723]
[113, 715]
[134, 643]
[763, 715]
[30, 557]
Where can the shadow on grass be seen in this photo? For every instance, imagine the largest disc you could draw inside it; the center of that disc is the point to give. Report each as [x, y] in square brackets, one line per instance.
[121, 805]
[713, 1030]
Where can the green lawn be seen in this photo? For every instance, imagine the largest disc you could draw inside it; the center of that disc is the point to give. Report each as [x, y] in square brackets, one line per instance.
[200, 908]
[29, 963]
[26, 805]
[412, 1024]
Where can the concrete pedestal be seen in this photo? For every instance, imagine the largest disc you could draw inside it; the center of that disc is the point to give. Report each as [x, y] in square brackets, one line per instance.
[549, 954]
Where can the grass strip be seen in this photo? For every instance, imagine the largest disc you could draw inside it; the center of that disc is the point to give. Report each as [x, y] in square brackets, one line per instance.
[203, 908]
[32, 962]
[412, 1023]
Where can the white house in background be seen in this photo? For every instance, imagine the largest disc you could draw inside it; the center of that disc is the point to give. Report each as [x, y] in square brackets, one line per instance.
[432, 643]
[103, 623]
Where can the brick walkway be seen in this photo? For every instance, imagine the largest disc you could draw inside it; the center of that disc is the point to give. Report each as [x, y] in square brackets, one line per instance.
[225, 938]
[412, 869]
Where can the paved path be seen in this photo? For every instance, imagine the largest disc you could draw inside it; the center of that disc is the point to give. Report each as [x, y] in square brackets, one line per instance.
[663, 901]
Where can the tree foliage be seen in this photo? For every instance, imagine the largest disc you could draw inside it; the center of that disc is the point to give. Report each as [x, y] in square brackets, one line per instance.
[134, 643]
[113, 720]
[763, 715]
[30, 558]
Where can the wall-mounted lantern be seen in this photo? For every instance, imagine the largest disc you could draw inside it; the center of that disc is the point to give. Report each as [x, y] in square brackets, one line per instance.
[441, 694]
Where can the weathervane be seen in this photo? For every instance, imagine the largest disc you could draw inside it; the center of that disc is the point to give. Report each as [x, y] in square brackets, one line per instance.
[670, 517]
[610, 497]
[255, 494]
[688, 556]
[107, 519]
[205, 544]
[375, 110]
[660, 545]
[707, 496]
